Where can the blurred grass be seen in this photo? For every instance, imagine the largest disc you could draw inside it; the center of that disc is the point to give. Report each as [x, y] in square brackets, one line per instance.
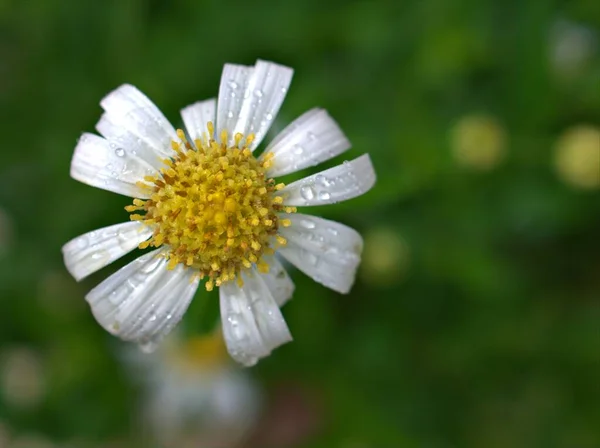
[488, 338]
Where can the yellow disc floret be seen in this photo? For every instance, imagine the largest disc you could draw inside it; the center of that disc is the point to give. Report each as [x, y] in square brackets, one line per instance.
[212, 205]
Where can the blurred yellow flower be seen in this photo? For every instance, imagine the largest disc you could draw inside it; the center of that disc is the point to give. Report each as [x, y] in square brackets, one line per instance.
[386, 256]
[478, 141]
[577, 157]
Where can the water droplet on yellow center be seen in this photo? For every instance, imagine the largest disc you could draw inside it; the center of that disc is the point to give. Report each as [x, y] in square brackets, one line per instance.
[212, 205]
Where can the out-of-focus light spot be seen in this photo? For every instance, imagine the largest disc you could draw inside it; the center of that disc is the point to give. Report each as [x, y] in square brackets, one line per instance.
[22, 377]
[386, 257]
[31, 441]
[4, 435]
[577, 157]
[6, 232]
[59, 294]
[478, 142]
[571, 48]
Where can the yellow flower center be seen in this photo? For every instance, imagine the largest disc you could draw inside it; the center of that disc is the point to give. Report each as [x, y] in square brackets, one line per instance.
[213, 206]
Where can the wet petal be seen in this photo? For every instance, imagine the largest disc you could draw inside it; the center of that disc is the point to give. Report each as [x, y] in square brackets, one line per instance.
[196, 117]
[327, 251]
[92, 251]
[143, 301]
[98, 163]
[250, 98]
[252, 322]
[342, 182]
[131, 115]
[278, 281]
[309, 140]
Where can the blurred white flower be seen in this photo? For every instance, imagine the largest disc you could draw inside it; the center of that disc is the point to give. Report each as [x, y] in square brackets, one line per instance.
[211, 209]
[571, 47]
[193, 394]
[577, 157]
[478, 141]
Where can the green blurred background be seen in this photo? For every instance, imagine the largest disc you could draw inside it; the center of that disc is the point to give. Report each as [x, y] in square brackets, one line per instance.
[475, 319]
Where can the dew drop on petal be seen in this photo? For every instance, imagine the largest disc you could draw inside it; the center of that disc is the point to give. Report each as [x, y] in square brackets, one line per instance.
[307, 224]
[83, 242]
[324, 195]
[120, 152]
[307, 192]
[148, 346]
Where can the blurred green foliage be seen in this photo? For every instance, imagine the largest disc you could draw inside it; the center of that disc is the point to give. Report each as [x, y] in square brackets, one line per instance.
[487, 333]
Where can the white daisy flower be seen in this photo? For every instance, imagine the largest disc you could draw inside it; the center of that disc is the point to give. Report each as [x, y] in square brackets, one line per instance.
[211, 210]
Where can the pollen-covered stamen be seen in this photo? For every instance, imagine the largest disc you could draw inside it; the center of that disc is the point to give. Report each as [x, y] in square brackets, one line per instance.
[213, 206]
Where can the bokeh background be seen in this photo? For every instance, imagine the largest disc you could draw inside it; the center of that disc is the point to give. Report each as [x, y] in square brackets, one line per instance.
[475, 319]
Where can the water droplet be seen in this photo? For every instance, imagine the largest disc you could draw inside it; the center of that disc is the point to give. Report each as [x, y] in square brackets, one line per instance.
[269, 116]
[114, 174]
[232, 94]
[151, 265]
[324, 195]
[232, 84]
[114, 298]
[283, 89]
[120, 152]
[82, 242]
[133, 152]
[307, 224]
[311, 136]
[298, 150]
[148, 346]
[332, 230]
[322, 180]
[230, 114]
[152, 317]
[311, 258]
[109, 166]
[168, 316]
[307, 192]
[258, 93]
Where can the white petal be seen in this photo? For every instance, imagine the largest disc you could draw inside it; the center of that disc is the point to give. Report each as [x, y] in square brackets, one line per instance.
[336, 184]
[98, 163]
[92, 251]
[196, 116]
[312, 138]
[143, 301]
[250, 98]
[252, 322]
[132, 111]
[278, 281]
[119, 137]
[327, 251]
